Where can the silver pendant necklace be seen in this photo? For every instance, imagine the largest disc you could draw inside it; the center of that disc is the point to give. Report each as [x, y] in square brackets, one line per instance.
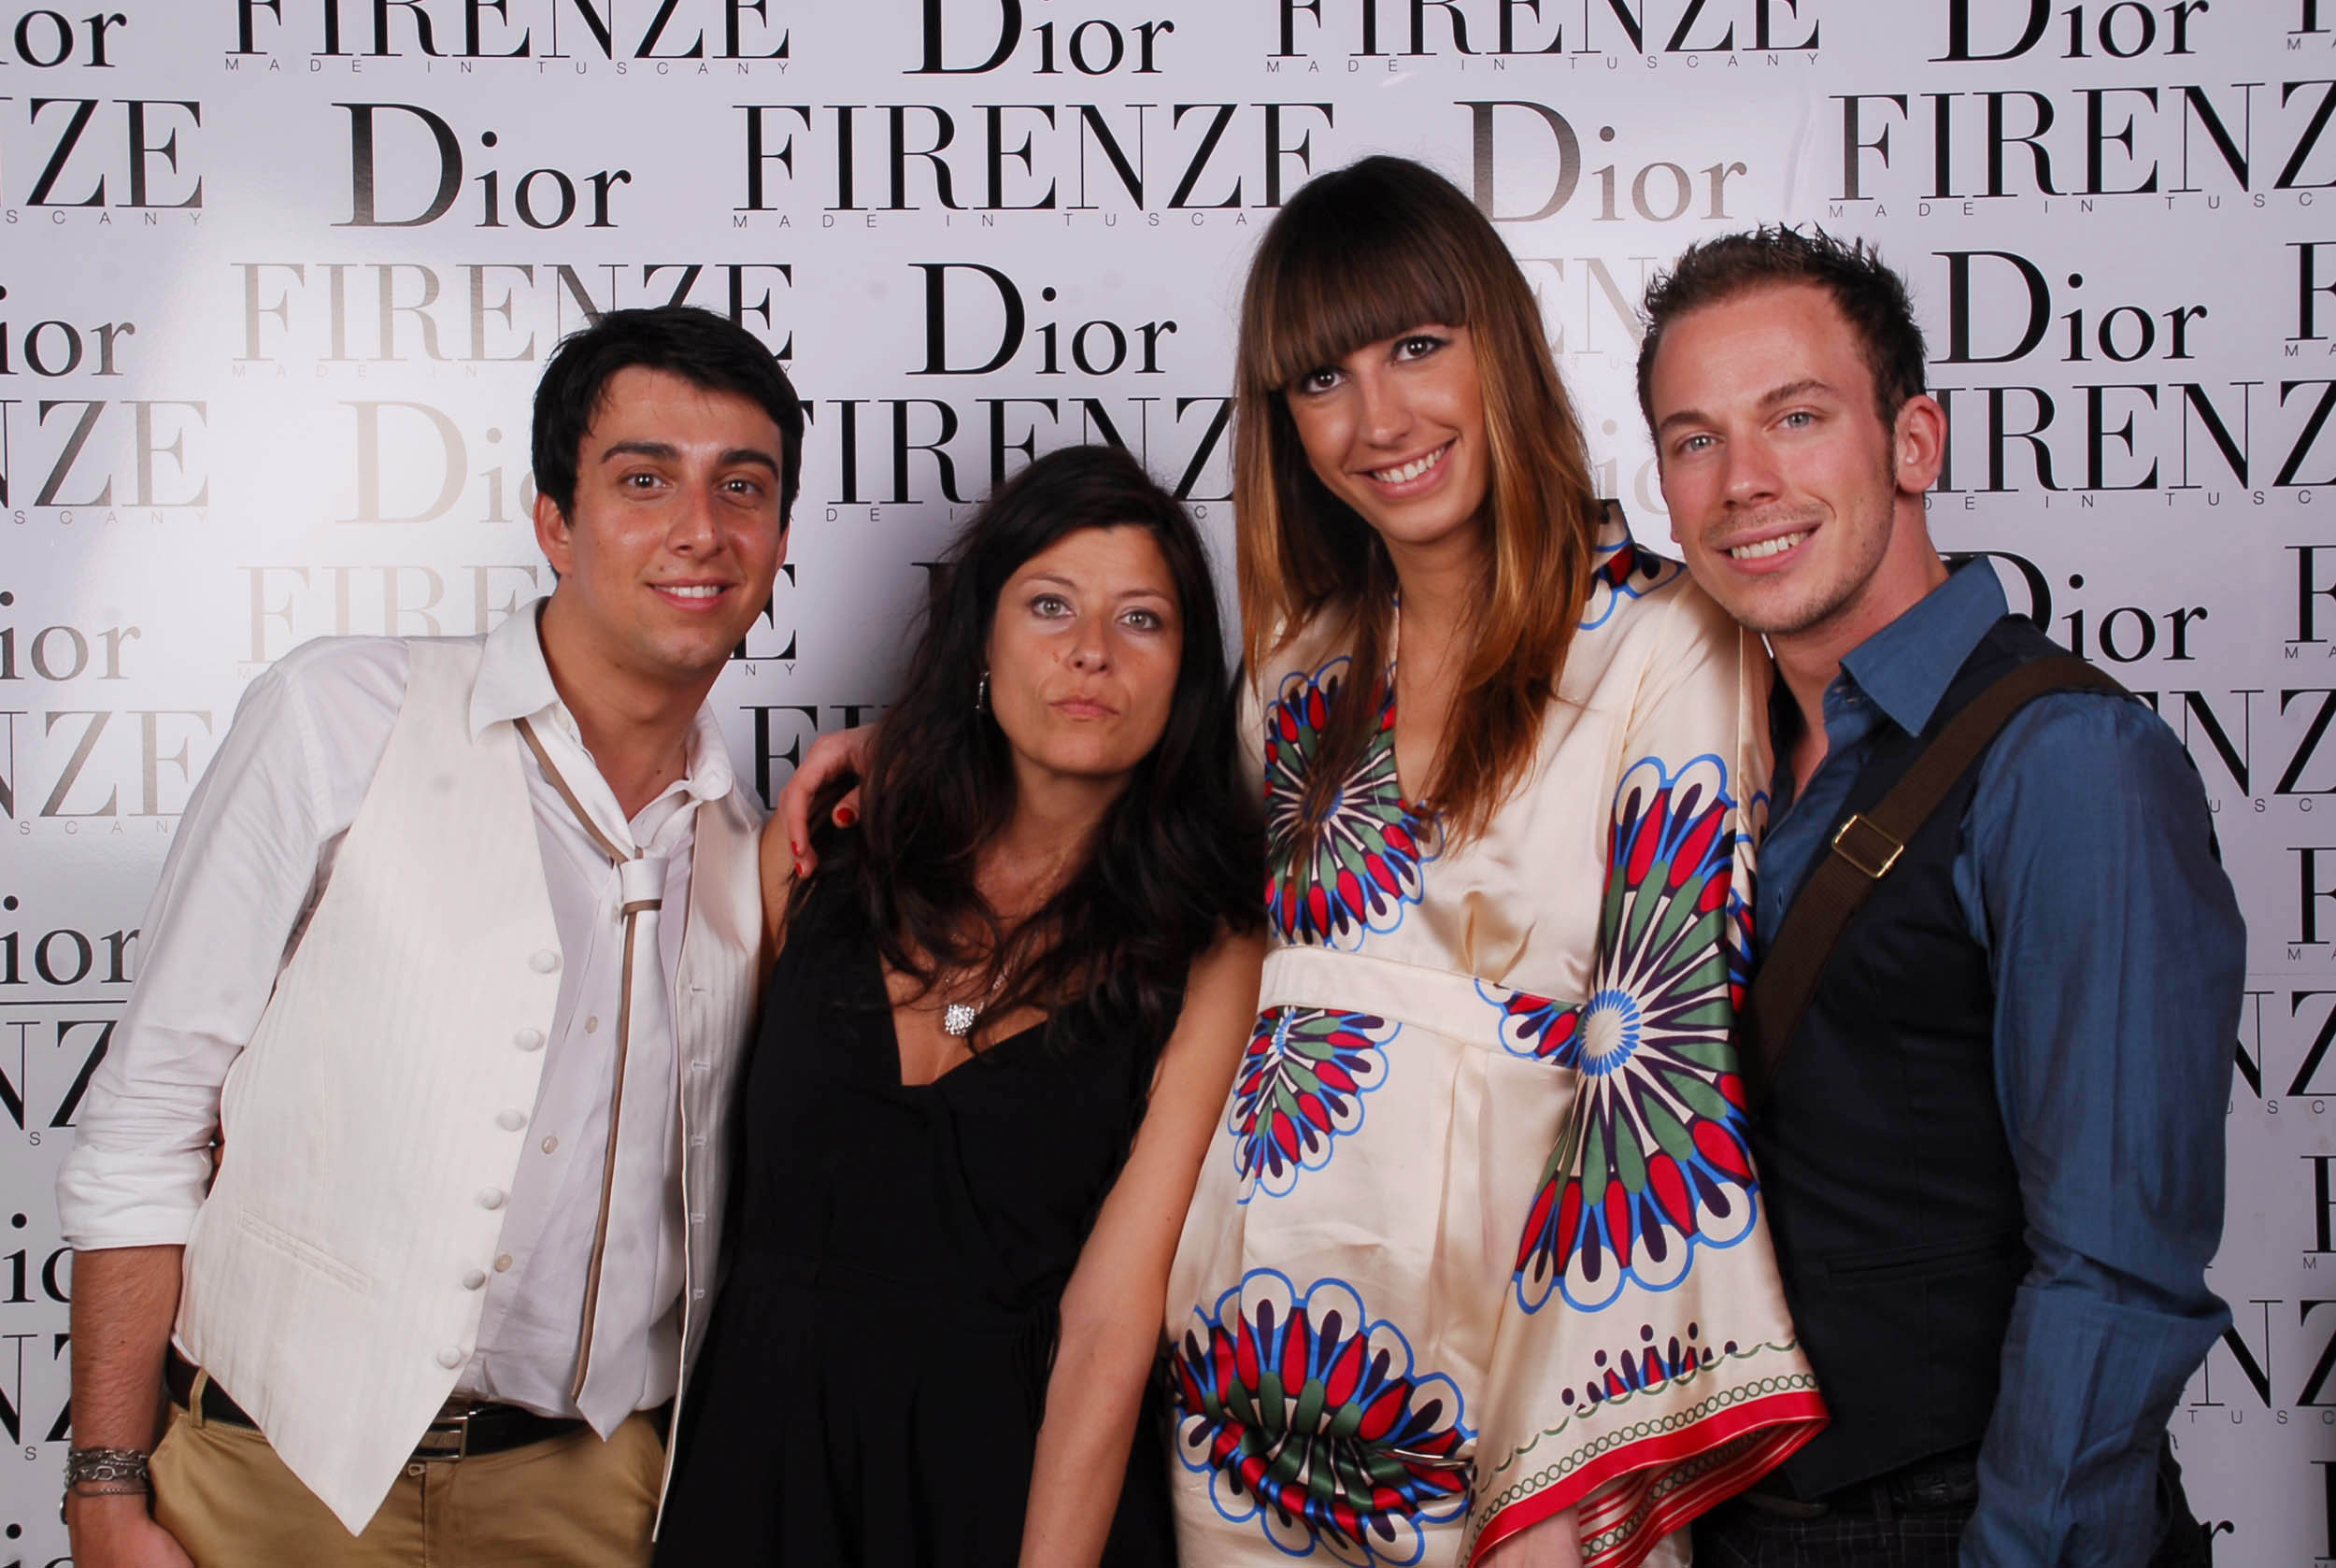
[957, 1019]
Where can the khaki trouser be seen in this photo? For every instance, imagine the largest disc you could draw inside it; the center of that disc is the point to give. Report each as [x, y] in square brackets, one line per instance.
[572, 1502]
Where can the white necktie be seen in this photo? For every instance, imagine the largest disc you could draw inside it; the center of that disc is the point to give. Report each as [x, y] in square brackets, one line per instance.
[641, 885]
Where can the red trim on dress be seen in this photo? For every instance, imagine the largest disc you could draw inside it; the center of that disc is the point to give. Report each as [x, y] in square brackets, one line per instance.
[1804, 1411]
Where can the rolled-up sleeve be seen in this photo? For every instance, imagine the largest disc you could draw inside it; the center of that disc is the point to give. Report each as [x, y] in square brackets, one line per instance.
[2119, 962]
[240, 872]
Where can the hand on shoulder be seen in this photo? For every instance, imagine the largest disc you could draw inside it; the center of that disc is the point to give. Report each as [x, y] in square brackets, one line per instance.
[840, 754]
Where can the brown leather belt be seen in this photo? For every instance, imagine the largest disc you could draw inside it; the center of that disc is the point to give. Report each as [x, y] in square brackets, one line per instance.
[464, 1429]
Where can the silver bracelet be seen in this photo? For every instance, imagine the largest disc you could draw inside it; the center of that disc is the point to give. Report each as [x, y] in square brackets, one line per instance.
[106, 1471]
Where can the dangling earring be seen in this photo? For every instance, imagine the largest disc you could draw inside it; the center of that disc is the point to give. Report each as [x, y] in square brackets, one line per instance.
[981, 694]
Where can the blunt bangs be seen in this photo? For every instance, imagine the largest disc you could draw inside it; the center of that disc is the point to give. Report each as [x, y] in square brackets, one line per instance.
[1347, 263]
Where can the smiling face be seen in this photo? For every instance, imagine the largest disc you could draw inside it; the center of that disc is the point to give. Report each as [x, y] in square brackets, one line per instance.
[1396, 430]
[1794, 505]
[1084, 650]
[667, 554]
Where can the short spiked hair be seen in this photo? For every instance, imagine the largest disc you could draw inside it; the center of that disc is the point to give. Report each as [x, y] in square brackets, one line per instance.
[1870, 295]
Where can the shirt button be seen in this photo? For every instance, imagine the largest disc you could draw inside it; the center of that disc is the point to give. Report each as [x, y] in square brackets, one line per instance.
[450, 1357]
[544, 962]
[550, 1144]
[528, 1039]
[490, 1197]
[697, 1219]
[474, 1278]
[697, 1295]
[510, 1121]
[503, 1264]
[592, 1025]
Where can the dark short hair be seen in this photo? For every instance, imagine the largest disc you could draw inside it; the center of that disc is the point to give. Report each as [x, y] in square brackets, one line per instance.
[703, 349]
[1869, 294]
[1177, 856]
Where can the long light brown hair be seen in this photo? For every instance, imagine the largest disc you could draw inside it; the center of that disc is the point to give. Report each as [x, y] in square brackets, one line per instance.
[1359, 256]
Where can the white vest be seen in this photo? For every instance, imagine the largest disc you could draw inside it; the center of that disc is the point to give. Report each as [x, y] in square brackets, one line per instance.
[324, 1278]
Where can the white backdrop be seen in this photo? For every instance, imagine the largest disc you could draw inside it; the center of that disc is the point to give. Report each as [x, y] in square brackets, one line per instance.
[276, 277]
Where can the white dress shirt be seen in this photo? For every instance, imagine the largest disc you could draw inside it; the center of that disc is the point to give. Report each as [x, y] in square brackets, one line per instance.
[252, 856]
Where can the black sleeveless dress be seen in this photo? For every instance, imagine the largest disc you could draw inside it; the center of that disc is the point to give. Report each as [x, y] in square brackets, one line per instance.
[876, 1367]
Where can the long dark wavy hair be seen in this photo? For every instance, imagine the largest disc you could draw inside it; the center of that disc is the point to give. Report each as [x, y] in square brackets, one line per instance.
[1177, 857]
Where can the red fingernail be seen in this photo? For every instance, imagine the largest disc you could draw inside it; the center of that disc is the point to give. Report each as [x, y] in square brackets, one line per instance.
[846, 816]
[798, 850]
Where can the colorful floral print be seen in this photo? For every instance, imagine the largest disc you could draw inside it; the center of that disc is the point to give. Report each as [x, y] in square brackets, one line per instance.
[1300, 1089]
[1621, 572]
[1331, 880]
[1656, 1160]
[1311, 1421]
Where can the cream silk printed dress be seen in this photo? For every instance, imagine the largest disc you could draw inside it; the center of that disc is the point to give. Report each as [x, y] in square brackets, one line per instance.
[1479, 1237]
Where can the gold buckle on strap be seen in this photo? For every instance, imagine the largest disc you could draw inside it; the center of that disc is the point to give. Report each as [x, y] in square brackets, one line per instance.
[1883, 846]
[448, 1438]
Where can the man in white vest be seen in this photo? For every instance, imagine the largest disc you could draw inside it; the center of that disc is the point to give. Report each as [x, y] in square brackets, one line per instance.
[395, 1203]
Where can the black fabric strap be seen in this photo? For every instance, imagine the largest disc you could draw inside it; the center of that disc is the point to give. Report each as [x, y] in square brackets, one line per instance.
[483, 1429]
[1868, 845]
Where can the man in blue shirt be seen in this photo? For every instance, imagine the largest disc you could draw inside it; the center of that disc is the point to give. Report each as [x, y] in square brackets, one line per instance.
[1993, 1148]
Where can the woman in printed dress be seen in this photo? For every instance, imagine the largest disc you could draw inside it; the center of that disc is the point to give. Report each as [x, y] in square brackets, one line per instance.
[1476, 1270]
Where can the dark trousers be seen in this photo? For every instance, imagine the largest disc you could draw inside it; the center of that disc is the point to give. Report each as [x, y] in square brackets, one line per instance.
[1903, 1528]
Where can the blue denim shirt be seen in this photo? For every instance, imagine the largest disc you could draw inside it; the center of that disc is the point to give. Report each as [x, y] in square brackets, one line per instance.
[2087, 870]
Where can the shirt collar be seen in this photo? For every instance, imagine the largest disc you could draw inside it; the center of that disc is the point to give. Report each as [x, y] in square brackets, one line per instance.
[513, 682]
[1905, 667]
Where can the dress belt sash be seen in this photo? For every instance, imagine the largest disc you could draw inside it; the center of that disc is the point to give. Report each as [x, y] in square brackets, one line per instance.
[1436, 1000]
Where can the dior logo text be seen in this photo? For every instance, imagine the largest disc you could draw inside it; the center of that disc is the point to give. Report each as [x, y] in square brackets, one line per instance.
[1657, 192]
[2075, 327]
[539, 198]
[56, 347]
[42, 1272]
[45, 38]
[1995, 30]
[957, 31]
[431, 467]
[59, 652]
[1002, 319]
[60, 959]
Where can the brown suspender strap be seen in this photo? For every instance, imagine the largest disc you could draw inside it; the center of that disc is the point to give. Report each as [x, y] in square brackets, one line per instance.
[1866, 844]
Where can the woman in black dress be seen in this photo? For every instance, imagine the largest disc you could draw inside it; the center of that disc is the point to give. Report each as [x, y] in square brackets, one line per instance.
[1003, 1014]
